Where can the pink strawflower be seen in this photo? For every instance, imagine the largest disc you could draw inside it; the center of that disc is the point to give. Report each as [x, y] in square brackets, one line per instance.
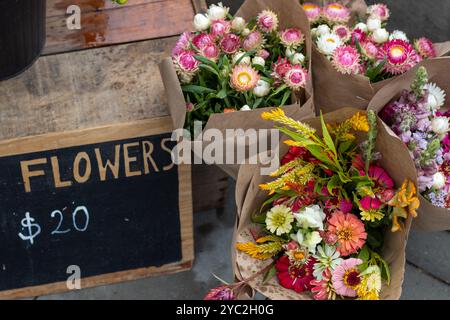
[350, 232]
[186, 61]
[292, 38]
[400, 56]
[346, 60]
[296, 77]
[220, 27]
[380, 11]
[267, 21]
[182, 44]
[343, 32]
[323, 289]
[425, 48]
[189, 106]
[220, 293]
[336, 13]
[202, 40]
[280, 68]
[244, 78]
[263, 54]
[312, 11]
[368, 203]
[358, 36]
[346, 277]
[370, 50]
[253, 41]
[211, 52]
[230, 43]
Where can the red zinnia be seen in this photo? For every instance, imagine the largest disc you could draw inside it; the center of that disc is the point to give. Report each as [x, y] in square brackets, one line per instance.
[295, 278]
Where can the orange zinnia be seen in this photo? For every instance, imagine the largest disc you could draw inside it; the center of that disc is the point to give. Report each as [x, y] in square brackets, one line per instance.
[349, 231]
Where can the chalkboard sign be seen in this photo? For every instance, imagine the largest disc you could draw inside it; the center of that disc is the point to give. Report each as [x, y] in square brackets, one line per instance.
[105, 202]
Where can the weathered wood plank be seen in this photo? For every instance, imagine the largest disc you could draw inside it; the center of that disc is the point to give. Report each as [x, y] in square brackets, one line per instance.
[132, 23]
[85, 89]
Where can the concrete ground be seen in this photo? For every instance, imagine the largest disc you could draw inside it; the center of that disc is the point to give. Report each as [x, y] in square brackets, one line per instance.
[428, 269]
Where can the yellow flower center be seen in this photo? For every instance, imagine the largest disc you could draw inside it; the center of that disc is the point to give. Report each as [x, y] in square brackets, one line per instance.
[244, 78]
[336, 7]
[309, 7]
[299, 256]
[331, 40]
[344, 234]
[397, 51]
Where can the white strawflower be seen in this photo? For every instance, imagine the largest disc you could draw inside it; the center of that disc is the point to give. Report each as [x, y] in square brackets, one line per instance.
[238, 24]
[289, 52]
[439, 180]
[279, 220]
[217, 12]
[440, 125]
[400, 35]
[328, 43]
[380, 35]
[246, 108]
[201, 22]
[262, 89]
[238, 55]
[361, 26]
[436, 96]
[323, 29]
[373, 24]
[314, 32]
[298, 58]
[259, 61]
[246, 32]
[310, 217]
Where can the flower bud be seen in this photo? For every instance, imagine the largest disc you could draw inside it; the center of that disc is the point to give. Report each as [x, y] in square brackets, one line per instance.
[380, 35]
[259, 61]
[238, 24]
[217, 12]
[298, 58]
[246, 108]
[361, 26]
[373, 24]
[262, 89]
[201, 22]
[440, 125]
[322, 29]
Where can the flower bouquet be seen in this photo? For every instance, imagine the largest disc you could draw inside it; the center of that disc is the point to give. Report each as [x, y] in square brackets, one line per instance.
[355, 54]
[256, 59]
[333, 221]
[416, 109]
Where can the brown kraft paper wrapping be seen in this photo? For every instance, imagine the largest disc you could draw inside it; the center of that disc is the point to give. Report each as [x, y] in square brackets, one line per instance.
[431, 218]
[249, 198]
[336, 90]
[290, 15]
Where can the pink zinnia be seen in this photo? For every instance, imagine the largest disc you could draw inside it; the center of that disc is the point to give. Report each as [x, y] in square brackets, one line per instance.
[296, 77]
[220, 27]
[349, 230]
[292, 37]
[267, 21]
[380, 177]
[312, 11]
[343, 32]
[280, 68]
[253, 41]
[336, 13]
[346, 277]
[202, 40]
[380, 11]
[186, 61]
[182, 44]
[425, 48]
[346, 205]
[295, 278]
[346, 60]
[230, 43]
[368, 203]
[400, 56]
[370, 49]
[322, 289]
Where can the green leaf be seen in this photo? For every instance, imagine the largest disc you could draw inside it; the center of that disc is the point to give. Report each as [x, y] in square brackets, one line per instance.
[281, 88]
[247, 54]
[258, 218]
[364, 254]
[257, 103]
[327, 137]
[207, 62]
[196, 89]
[320, 154]
[221, 94]
[333, 183]
[209, 68]
[286, 96]
[345, 146]
[372, 73]
[295, 136]
[385, 272]
[269, 274]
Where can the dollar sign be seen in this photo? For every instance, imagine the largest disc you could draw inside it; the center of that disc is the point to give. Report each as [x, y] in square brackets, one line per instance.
[28, 223]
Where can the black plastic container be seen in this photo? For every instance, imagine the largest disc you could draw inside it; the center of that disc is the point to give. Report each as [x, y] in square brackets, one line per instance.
[22, 35]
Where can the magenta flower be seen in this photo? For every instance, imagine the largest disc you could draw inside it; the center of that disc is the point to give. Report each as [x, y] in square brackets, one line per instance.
[202, 40]
[346, 60]
[189, 106]
[267, 21]
[281, 68]
[182, 44]
[346, 206]
[312, 11]
[186, 61]
[380, 11]
[343, 32]
[425, 48]
[380, 177]
[263, 54]
[358, 36]
[211, 52]
[253, 41]
[292, 38]
[220, 27]
[230, 43]
[370, 49]
[336, 13]
[296, 78]
[400, 56]
[368, 203]
[220, 293]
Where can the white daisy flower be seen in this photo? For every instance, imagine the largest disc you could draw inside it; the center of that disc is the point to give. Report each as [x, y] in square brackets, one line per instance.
[397, 34]
[436, 96]
[327, 43]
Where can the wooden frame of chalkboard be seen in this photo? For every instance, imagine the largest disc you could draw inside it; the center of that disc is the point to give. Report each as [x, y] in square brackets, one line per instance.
[110, 133]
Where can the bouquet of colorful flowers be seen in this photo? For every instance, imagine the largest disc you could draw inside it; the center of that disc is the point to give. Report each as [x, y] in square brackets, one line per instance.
[240, 63]
[354, 47]
[331, 224]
